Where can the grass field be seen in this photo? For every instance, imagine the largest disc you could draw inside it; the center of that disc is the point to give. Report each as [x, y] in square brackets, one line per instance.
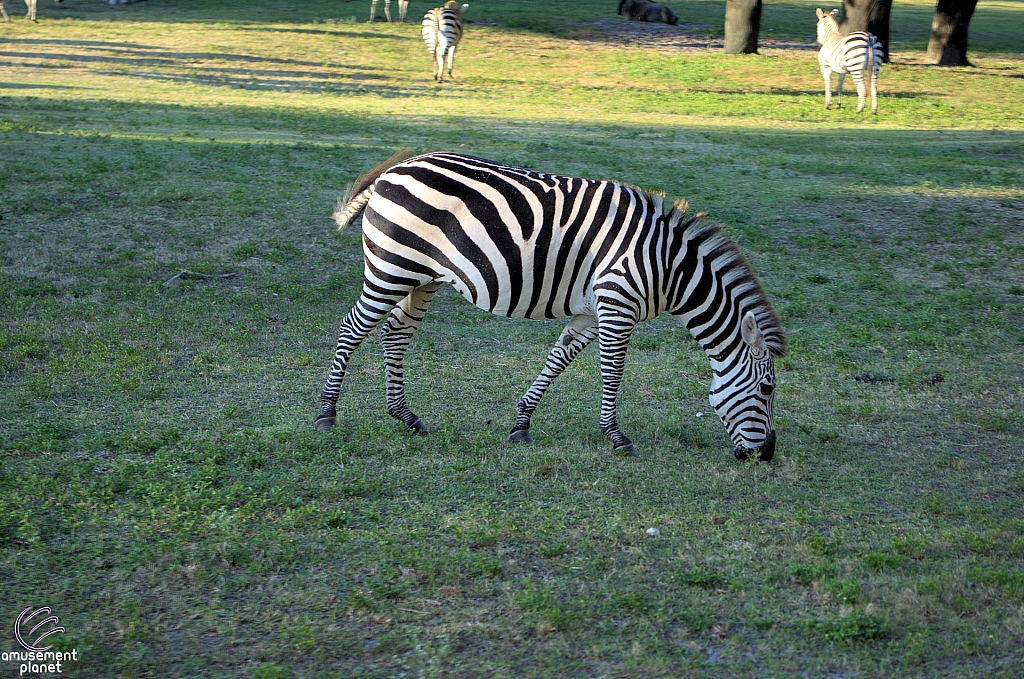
[162, 488]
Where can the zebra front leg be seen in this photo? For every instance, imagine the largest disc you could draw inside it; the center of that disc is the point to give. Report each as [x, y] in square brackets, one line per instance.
[826, 73]
[395, 335]
[403, 9]
[839, 91]
[576, 336]
[373, 305]
[4, 12]
[614, 330]
[387, 10]
[373, 11]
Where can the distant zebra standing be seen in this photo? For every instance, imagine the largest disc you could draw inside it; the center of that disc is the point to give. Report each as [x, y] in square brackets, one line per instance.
[527, 244]
[403, 8]
[30, 4]
[854, 53]
[442, 31]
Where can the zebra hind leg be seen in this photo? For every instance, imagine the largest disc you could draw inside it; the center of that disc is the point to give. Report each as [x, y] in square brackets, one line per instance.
[614, 331]
[826, 73]
[451, 60]
[395, 335]
[373, 11]
[403, 9]
[387, 10]
[368, 311]
[576, 336]
[858, 80]
[442, 52]
[4, 11]
[874, 91]
[839, 91]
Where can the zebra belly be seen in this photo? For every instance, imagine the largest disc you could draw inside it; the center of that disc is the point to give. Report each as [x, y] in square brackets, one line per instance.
[488, 267]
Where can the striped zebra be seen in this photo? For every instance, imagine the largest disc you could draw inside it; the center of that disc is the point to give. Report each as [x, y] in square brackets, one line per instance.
[528, 244]
[854, 53]
[442, 31]
[403, 9]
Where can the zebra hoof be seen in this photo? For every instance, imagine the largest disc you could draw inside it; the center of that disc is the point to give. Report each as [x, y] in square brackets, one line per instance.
[627, 450]
[520, 436]
[417, 427]
[324, 423]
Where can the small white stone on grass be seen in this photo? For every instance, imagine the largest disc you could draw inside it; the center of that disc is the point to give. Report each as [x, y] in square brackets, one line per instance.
[653, 532]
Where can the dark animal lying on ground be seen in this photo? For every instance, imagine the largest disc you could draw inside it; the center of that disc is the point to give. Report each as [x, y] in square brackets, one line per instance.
[645, 10]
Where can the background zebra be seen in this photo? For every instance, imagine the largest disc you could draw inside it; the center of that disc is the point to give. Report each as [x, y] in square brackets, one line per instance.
[442, 31]
[854, 54]
[30, 4]
[403, 8]
[527, 244]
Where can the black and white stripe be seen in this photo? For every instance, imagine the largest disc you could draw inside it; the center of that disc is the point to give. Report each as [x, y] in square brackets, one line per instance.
[528, 244]
[403, 9]
[442, 31]
[855, 54]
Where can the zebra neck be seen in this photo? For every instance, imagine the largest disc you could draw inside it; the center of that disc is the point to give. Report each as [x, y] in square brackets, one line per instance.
[710, 299]
[831, 35]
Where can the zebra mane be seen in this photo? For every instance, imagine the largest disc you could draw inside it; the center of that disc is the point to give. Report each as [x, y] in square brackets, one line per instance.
[738, 273]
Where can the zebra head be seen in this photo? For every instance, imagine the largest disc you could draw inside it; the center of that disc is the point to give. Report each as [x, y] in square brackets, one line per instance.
[743, 393]
[827, 24]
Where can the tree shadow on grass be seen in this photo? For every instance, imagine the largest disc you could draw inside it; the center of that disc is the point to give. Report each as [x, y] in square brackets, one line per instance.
[38, 86]
[154, 56]
[314, 31]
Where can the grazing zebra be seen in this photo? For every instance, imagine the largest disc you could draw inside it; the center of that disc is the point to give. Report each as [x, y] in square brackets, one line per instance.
[442, 31]
[854, 53]
[528, 244]
[31, 4]
[403, 8]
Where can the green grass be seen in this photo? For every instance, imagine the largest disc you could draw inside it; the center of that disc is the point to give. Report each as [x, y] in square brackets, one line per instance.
[163, 490]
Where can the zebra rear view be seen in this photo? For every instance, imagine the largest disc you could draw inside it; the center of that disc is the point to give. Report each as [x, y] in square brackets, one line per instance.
[527, 244]
[442, 31]
[857, 53]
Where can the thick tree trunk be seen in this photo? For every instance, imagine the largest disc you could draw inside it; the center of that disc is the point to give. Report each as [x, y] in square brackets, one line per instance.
[868, 15]
[948, 44]
[742, 24]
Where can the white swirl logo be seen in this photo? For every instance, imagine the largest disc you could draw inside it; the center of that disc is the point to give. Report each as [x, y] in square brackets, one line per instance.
[50, 624]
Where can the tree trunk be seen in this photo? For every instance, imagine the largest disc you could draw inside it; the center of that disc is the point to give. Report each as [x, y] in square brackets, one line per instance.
[948, 44]
[868, 15]
[742, 24]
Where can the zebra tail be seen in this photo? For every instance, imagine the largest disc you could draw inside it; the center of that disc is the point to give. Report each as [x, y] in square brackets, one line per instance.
[358, 193]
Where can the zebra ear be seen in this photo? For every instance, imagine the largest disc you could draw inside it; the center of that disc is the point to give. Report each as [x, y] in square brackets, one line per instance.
[752, 335]
[834, 13]
[464, 8]
[820, 13]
